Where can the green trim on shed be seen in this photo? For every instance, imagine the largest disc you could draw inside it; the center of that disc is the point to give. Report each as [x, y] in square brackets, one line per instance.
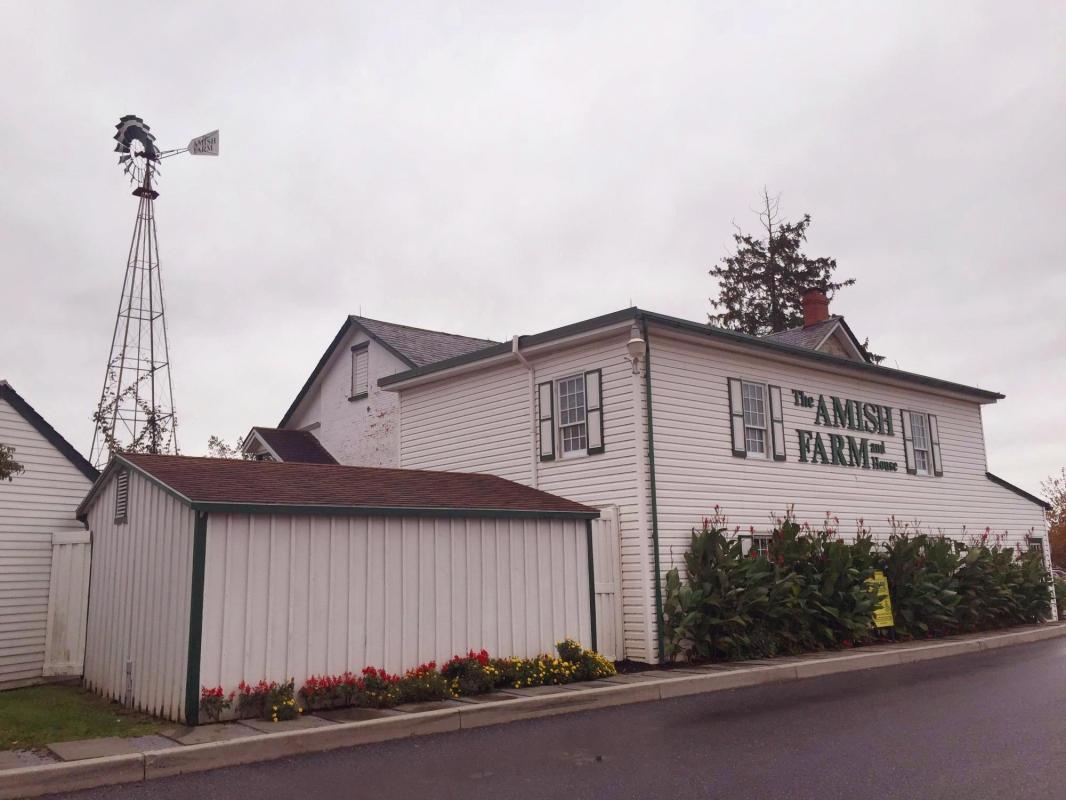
[389, 511]
[196, 620]
[592, 582]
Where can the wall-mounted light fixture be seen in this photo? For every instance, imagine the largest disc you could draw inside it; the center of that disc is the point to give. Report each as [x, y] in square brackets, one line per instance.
[637, 348]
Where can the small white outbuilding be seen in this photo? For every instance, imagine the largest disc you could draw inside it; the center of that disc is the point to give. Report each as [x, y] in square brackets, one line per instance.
[207, 572]
[44, 552]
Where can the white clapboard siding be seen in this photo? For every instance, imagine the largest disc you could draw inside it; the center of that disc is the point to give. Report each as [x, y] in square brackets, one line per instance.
[473, 423]
[481, 422]
[33, 506]
[139, 597]
[695, 469]
[294, 596]
[68, 604]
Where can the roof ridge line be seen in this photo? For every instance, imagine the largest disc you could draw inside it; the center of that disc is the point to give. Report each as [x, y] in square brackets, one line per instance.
[423, 330]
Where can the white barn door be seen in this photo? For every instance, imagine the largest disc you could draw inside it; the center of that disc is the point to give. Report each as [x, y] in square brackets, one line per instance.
[606, 558]
[68, 602]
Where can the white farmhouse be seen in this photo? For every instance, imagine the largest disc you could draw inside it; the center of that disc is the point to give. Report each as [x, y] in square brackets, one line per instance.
[657, 420]
[44, 550]
[341, 404]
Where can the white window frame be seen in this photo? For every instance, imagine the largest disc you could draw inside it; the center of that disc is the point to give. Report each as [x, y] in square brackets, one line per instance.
[927, 451]
[764, 398]
[760, 543]
[360, 350]
[560, 437]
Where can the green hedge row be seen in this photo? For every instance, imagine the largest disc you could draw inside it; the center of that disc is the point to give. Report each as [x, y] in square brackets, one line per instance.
[811, 590]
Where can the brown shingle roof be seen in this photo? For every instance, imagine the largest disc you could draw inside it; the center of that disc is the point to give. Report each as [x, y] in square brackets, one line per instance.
[421, 346]
[299, 446]
[207, 481]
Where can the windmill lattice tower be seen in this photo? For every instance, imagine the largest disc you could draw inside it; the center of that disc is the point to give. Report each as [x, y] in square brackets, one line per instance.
[136, 408]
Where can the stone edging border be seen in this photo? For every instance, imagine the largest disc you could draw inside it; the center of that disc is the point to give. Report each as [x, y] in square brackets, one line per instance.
[137, 767]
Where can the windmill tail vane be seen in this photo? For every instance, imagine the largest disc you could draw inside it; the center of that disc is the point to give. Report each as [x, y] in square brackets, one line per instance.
[135, 412]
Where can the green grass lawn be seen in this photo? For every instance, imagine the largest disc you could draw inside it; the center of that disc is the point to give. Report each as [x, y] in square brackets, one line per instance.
[39, 715]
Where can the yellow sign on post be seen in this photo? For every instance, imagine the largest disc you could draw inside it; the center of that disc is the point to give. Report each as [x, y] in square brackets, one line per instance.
[883, 613]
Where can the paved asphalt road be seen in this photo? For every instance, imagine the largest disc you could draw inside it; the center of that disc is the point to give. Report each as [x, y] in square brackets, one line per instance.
[990, 725]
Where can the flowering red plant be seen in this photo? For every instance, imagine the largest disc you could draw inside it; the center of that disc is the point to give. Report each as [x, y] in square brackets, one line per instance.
[213, 701]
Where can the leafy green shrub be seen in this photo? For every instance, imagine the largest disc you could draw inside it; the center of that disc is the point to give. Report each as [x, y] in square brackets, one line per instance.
[808, 593]
[424, 683]
[812, 590]
[921, 572]
[819, 595]
[710, 614]
[1060, 597]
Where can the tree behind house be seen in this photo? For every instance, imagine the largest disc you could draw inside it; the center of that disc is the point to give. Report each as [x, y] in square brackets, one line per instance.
[1055, 491]
[9, 467]
[760, 285]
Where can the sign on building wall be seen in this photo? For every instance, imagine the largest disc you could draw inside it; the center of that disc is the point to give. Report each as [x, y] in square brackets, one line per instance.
[845, 449]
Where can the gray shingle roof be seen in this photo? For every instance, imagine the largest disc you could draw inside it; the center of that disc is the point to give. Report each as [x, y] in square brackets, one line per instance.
[809, 337]
[419, 345]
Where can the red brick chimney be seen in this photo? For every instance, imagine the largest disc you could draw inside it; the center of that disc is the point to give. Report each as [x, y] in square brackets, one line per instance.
[815, 306]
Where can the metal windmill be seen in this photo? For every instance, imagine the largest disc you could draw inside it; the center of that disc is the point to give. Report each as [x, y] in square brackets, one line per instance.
[136, 408]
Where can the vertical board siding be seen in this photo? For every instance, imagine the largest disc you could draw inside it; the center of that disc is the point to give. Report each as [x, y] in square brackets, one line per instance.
[695, 468]
[289, 597]
[33, 506]
[139, 598]
[481, 423]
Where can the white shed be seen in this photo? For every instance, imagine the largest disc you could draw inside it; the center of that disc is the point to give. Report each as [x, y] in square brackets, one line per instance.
[207, 572]
[44, 567]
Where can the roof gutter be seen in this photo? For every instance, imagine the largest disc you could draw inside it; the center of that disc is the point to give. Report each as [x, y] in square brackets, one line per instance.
[739, 340]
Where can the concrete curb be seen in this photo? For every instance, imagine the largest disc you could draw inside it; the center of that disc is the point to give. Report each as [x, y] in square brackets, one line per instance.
[96, 772]
[71, 776]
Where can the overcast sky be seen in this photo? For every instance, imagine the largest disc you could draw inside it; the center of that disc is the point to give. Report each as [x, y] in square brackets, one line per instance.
[502, 168]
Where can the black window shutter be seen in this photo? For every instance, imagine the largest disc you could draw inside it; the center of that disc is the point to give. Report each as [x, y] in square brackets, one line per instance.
[908, 441]
[736, 418]
[546, 412]
[777, 422]
[934, 446]
[594, 410]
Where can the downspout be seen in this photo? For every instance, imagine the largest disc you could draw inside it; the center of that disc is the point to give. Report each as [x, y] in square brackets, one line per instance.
[654, 498]
[642, 509]
[534, 462]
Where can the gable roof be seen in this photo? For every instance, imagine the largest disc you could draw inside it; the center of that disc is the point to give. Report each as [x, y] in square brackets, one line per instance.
[27, 412]
[287, 445]
[237, 486]
[418, 346]
[415, 347]
[713, 333]
[1018, 491]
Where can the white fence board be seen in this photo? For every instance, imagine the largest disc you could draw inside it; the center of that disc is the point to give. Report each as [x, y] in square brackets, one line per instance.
[607, 559]
[68, 601]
